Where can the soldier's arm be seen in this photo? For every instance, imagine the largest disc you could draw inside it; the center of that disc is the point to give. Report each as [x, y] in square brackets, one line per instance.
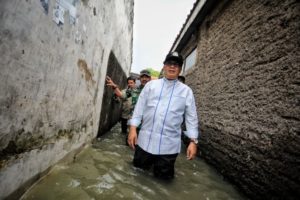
[109, 82]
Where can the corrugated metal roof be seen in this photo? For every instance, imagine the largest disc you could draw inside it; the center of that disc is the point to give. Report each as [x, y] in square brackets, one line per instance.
[184, 24]
[192, 22]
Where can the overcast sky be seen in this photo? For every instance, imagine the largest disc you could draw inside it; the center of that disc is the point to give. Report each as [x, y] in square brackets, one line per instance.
[156, 25]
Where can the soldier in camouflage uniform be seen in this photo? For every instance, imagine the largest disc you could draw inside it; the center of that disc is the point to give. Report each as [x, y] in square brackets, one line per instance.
[129, 96]
[126, 97]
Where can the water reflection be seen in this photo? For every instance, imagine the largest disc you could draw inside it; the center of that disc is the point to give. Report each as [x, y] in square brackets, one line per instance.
[104, 171]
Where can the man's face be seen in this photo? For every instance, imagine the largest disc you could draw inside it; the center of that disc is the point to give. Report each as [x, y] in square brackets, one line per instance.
[144, 79]
[172, 70]
[130, 84]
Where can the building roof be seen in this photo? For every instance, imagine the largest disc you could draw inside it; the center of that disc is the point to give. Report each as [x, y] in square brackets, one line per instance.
[192, 22]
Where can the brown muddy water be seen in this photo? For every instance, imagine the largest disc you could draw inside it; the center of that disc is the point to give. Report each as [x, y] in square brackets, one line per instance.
[104, 171]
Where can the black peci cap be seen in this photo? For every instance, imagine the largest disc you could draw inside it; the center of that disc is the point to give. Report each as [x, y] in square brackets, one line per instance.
[174, 56]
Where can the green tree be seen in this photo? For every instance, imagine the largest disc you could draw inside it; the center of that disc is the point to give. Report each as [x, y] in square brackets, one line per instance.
[153, 72]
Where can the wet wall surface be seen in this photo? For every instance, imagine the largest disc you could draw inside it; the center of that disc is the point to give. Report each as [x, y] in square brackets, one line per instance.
[54, 58]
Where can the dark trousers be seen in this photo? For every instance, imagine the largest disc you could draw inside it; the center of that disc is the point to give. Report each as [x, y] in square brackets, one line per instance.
[163, 165]
[124, 125]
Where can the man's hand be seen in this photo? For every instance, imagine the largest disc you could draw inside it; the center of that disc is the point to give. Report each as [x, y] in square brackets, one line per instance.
[114, 86]
[191, 151]
[132, 137]
[110, 82]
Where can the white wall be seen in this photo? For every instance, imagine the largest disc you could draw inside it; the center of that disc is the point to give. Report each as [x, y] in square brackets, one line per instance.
[52, 80]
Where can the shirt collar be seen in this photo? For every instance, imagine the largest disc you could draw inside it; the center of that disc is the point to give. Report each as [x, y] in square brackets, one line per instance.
[170, 81]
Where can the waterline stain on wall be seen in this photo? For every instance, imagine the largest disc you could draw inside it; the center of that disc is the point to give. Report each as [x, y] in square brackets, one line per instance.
[87, 73]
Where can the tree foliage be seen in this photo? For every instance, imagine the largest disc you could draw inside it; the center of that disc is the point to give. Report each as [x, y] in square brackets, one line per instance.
[153, 72]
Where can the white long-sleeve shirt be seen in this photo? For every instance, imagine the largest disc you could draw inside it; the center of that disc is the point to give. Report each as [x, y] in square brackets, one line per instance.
[161, 107]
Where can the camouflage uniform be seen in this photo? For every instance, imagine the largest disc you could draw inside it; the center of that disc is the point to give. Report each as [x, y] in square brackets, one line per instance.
[129, 98]
[126, 105]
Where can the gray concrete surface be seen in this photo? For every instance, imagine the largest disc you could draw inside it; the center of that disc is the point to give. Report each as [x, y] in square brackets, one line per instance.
[52, 79]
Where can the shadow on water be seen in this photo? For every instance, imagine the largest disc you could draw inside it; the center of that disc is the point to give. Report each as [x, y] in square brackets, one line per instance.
[104, 171]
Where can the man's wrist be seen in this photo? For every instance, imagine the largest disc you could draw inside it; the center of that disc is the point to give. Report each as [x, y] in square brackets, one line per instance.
[132, 128]
[194, 140]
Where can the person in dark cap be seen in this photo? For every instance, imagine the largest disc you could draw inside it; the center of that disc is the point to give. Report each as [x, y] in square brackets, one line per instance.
[134, 92]
[129, 96]
[145, 77]
[161, 107]
[125, 96]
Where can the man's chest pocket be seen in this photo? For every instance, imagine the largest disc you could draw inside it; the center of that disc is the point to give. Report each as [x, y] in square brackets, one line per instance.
[152, 100]
[177, 104]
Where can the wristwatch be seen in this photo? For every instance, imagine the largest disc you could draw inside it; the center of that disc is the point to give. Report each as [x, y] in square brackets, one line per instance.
[194, 140]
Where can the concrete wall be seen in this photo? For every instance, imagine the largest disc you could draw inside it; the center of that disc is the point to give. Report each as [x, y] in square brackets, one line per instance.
[247, 85]
[52, 80]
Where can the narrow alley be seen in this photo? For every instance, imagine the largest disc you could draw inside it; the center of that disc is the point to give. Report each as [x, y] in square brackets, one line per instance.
[240, 62]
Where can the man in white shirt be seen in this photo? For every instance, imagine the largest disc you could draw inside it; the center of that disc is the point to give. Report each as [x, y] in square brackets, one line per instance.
[161, 107]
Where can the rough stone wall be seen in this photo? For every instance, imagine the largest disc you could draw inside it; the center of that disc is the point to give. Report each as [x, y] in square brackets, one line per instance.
[247, 86]
[52, 80]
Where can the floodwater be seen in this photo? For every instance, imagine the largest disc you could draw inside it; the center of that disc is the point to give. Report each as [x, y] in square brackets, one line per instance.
[104, 171]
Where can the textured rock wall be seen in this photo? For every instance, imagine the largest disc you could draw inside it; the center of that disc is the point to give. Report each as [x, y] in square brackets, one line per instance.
[247, 86]
[52, 79]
